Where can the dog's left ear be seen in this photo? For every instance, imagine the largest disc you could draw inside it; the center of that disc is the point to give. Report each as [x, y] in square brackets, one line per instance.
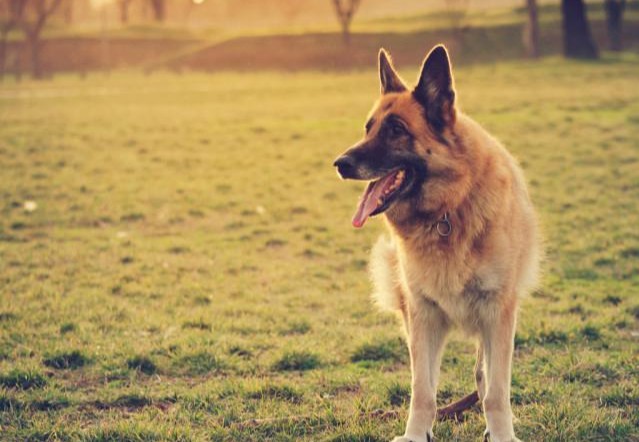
[434, 90]
[388, 78]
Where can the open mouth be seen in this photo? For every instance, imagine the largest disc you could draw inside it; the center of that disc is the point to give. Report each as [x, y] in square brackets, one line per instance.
[379, 195]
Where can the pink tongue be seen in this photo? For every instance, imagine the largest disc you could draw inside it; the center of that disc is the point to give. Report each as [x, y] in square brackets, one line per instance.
[368, 202]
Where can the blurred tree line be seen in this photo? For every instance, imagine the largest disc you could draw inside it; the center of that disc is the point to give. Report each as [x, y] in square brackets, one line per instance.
[30, 17]
[26, 19]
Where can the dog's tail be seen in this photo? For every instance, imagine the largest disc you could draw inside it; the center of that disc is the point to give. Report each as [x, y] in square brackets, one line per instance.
[384, 272]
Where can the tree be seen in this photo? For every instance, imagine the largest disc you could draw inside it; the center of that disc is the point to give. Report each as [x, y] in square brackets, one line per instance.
[456, 13]
[123, 5]
[159, 9]
[12, 14]
[37, 13]
[531, 30]
[614, 15]
[578, 42]
[345, 10]
[67, 11]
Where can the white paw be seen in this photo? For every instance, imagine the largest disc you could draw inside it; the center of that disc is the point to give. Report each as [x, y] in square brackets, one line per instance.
[426, 438]
[488, 438]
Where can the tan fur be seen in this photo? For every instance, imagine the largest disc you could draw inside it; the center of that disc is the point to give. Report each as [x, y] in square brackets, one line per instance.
[470, 280]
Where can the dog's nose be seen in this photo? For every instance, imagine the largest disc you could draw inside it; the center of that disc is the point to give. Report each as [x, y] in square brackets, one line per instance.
[345, 166]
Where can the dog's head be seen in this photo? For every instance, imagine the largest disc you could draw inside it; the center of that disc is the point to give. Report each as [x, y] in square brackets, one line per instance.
[407, 153]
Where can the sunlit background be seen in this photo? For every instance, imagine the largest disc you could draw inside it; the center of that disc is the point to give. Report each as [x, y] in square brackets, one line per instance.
[176, 255]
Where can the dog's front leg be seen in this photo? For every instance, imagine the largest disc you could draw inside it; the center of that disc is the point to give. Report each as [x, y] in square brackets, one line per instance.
[498, 338]
[427, 327]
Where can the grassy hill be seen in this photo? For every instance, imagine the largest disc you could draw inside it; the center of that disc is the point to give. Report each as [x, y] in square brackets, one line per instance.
[480, 36]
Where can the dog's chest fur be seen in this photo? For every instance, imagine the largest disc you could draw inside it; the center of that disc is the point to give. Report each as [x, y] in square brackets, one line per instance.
[464, 290]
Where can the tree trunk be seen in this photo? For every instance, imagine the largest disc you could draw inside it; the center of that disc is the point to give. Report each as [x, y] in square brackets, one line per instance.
[124, 10]
[578, 41]
[14, 10]
[159, 9]
[68, 12]
[3, 56]
[346, 33]
[124, 13]
[614, 16]
[18, 62]
[33, 42]
[43, 11]
[531, 30]
[345, 12]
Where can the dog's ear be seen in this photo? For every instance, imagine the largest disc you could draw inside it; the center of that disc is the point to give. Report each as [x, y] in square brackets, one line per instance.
[389, 80]
[434, 90]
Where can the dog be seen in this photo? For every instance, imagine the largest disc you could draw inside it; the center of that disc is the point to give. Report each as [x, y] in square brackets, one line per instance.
[463, 243]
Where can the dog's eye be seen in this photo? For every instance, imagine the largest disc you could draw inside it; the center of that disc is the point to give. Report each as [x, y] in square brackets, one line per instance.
[397, 129]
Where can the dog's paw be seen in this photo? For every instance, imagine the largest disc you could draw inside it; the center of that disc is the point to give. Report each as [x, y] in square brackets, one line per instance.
[487, 438]
[427, 438]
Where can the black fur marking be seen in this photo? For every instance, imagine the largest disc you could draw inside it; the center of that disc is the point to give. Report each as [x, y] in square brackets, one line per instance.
[369, 124]
[389, 80]
[434, 91]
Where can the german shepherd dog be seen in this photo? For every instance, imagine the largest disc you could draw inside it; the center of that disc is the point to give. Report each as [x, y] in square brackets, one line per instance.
[463, 239]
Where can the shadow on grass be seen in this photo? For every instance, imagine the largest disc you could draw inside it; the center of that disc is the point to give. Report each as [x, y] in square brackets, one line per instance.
[23, 379]
[297, 361]
[393, 350]
[67, 360]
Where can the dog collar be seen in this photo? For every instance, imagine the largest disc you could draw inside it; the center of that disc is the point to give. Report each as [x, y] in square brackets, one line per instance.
[443, 226]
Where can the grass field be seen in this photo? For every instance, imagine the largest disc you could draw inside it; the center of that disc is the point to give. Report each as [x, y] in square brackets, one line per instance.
[177, 261]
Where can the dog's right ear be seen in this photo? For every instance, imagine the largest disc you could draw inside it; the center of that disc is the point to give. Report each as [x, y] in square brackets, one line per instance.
[435, 91]
[389, 80]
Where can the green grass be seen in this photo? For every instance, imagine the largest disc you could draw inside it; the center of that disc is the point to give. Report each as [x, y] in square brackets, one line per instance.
[191, 245]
